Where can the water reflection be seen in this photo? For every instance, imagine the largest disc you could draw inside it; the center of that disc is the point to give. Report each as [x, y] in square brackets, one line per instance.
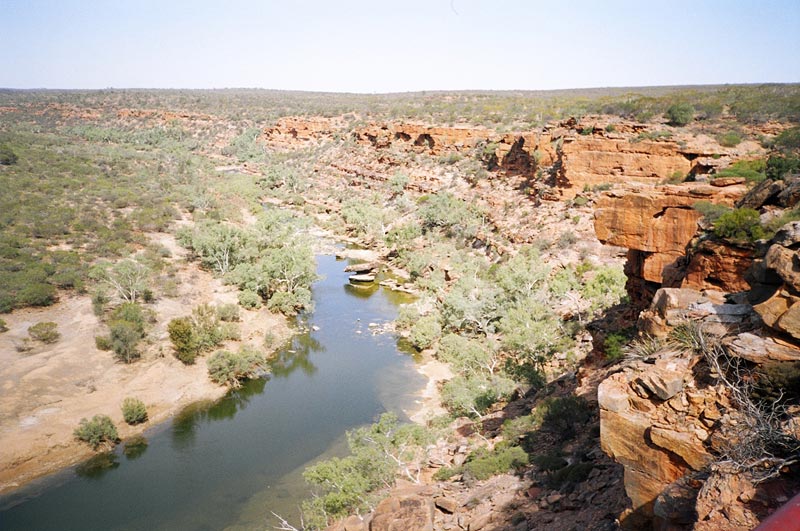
[98, 466]
[135, 447]
[288, 360]
[361, 291]
[184, 427]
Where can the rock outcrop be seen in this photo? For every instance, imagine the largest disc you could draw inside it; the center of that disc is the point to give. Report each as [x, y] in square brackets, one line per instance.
[656, 225]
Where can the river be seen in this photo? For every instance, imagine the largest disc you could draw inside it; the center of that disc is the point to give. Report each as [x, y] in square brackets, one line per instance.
[229, 464]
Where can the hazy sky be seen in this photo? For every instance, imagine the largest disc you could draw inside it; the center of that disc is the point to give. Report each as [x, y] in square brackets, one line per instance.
[391, 46]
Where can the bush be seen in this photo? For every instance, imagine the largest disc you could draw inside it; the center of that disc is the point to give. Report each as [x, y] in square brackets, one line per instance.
[788, 139]
[710, 211]
[3, 326]
[249, 299]
[229, 368]
[425, 331]
[741, 225]
[228, 313]
[124, 338]
[753, 171]
[565, 415]
[134, 410]
[181, 333]
[614, 344]
[97, 430]
[483, 464]
[730, 139]
[779, 166]
[7, 156]
[46, 332]
[680, 114]
[102, 342]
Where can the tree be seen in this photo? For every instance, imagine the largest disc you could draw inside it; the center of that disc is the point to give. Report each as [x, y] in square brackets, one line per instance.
[230, 368]
[7, 156]
[472, 305]
[219, 246]
[129, 278]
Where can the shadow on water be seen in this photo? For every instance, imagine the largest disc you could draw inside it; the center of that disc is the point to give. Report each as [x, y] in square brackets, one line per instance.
[135, 447]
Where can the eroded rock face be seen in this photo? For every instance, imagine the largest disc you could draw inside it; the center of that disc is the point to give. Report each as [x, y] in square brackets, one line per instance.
[656, 225]
[292, 131]
[592, 160]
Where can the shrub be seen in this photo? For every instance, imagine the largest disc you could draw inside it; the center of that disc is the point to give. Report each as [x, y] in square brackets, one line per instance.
[97, 430]
[614, 344]
[570, 475]
[134, 410]
[181, 333]
[228, 312]
[7, 156]
[563, 416]
[3, 326]
[483, 464]
[125, 337]
[230, 368]
[102, 342]
[730, 139]
[753, 171]
[710, 211]
[249, 299]
[680, 114]
[425, 331]
[779, 166]
[788, 139]
[472, 396]
[741, 225]
[46, 332]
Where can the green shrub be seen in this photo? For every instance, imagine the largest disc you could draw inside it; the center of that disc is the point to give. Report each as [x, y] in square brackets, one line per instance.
[549, 462]
[102, 342]
[610, 128]
[425, 331]
[729, 139]
[570, 475]
[3, 326]
[228, 312]
[473, 395]
[125, 337]
[680, 114]
[753, 171]
[779, 166]
[46, 332]
[563, 416]
[229, 368]
[741, 225]
[614, 344]
[483, 464]
[7, 156]
[789, 139]
[181, 333]
[249, 299]
[96, 431]
[710, 211]
[134, 410]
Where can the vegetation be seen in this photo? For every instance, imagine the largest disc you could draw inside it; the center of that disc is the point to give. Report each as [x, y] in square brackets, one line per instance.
[201, 332]
[753, 171]
[230, 368]
[680, 114]
[100, 429]
[46, 332]
[377, 453]
[741, 225]
[134, 411]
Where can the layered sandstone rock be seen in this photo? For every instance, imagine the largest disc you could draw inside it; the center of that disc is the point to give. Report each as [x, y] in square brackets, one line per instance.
[656, 225]
[292, 131]
[593, 160]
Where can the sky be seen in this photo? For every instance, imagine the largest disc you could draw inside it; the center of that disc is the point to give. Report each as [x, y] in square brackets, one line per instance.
[379, 46]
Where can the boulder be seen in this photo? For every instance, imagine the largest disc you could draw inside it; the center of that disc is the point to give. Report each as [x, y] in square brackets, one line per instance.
[763, 193]
[363, 267]
[786, 263]
[666, 377]
[681, 443]
[761, 349]
[404, 511]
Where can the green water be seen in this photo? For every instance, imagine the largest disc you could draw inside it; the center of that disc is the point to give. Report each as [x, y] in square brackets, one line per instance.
[229, 464]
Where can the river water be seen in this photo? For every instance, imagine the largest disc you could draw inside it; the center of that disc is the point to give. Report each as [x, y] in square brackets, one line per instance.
[229, 464]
